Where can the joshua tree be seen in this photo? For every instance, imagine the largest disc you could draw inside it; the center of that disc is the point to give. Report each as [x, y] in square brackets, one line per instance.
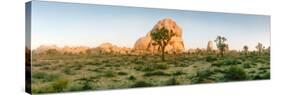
[260, 48]
[246, 49]
[221, 44]
[161, 37]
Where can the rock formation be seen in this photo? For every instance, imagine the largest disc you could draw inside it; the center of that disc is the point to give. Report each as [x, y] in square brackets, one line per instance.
[103, 48]
[109, 48]
[175, 45]
[210, 46]
[74, 50]
[66, 49]
[44, 48]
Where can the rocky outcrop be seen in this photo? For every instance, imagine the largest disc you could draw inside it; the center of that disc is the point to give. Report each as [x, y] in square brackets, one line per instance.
[74, 50]
[109, 48]
[175, 45]
[44, 48]
[65, 49]
[210, 46]
[103, 48]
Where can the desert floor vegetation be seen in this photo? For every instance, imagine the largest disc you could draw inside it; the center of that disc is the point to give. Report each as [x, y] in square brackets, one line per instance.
[76, 72]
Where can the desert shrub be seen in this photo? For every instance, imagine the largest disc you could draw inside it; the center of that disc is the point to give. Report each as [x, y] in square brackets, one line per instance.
[108, 65]
[45, 68]
[176, 73]
[161, 66]
[138, 62]
[262, 74]
[217, 63]
[195, 66]
[98, 63]
[89, 63]
[261, 60]
[182, 58]
[122, 73]
[210, 58]
[152, 67]
[217, 77]
[41, 64]
[131, 77]
[85, 83]
[247, 64]
[235, 73]
[45, 77]
[201, 75]
[77, 66]
[156, 73]
[264, 67]
[265, 75]
[144, 68]
[141, 84]
[172, 81]
[172, 62]
[109, 74]
[105, 61]
[68, 71]
[59, 84]
[39, 75]
[181, 64]
[75, 86]
[232, 61]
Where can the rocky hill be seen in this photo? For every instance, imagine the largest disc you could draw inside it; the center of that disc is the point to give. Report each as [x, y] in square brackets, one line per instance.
[176, 44]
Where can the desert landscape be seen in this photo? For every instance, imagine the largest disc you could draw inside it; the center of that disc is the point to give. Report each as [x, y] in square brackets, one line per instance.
[159, 58]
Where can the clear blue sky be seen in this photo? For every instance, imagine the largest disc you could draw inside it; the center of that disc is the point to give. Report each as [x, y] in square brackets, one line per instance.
[90, 25]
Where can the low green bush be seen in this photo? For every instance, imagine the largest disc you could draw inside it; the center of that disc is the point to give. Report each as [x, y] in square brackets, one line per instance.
[247, 64]
[152, 67]
[131, 77]
[172, 81]
[141, 84]
[109, 74]
[235, 73]
[176, 73]
[59, 85]
[68, 71]
[232, 61]
[161, 66]
[122, 73]
[210, 58]
[156, 73]
[201, 75]
[45, 77]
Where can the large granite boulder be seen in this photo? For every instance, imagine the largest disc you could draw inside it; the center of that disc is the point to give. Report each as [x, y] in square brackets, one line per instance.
[175, 45]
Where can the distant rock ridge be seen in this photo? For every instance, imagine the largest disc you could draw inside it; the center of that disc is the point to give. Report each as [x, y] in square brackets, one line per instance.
[102, 48]
[176, 44]
[65, 49]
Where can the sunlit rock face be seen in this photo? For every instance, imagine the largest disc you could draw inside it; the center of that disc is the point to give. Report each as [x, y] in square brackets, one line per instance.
[175, 45]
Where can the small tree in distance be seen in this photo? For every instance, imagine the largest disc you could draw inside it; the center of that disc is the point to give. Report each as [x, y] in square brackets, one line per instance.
[260, 48]
[161, 37]
[221, 44]
[245, 48]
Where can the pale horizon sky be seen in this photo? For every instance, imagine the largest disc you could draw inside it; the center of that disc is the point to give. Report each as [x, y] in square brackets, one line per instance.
[91, 25]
